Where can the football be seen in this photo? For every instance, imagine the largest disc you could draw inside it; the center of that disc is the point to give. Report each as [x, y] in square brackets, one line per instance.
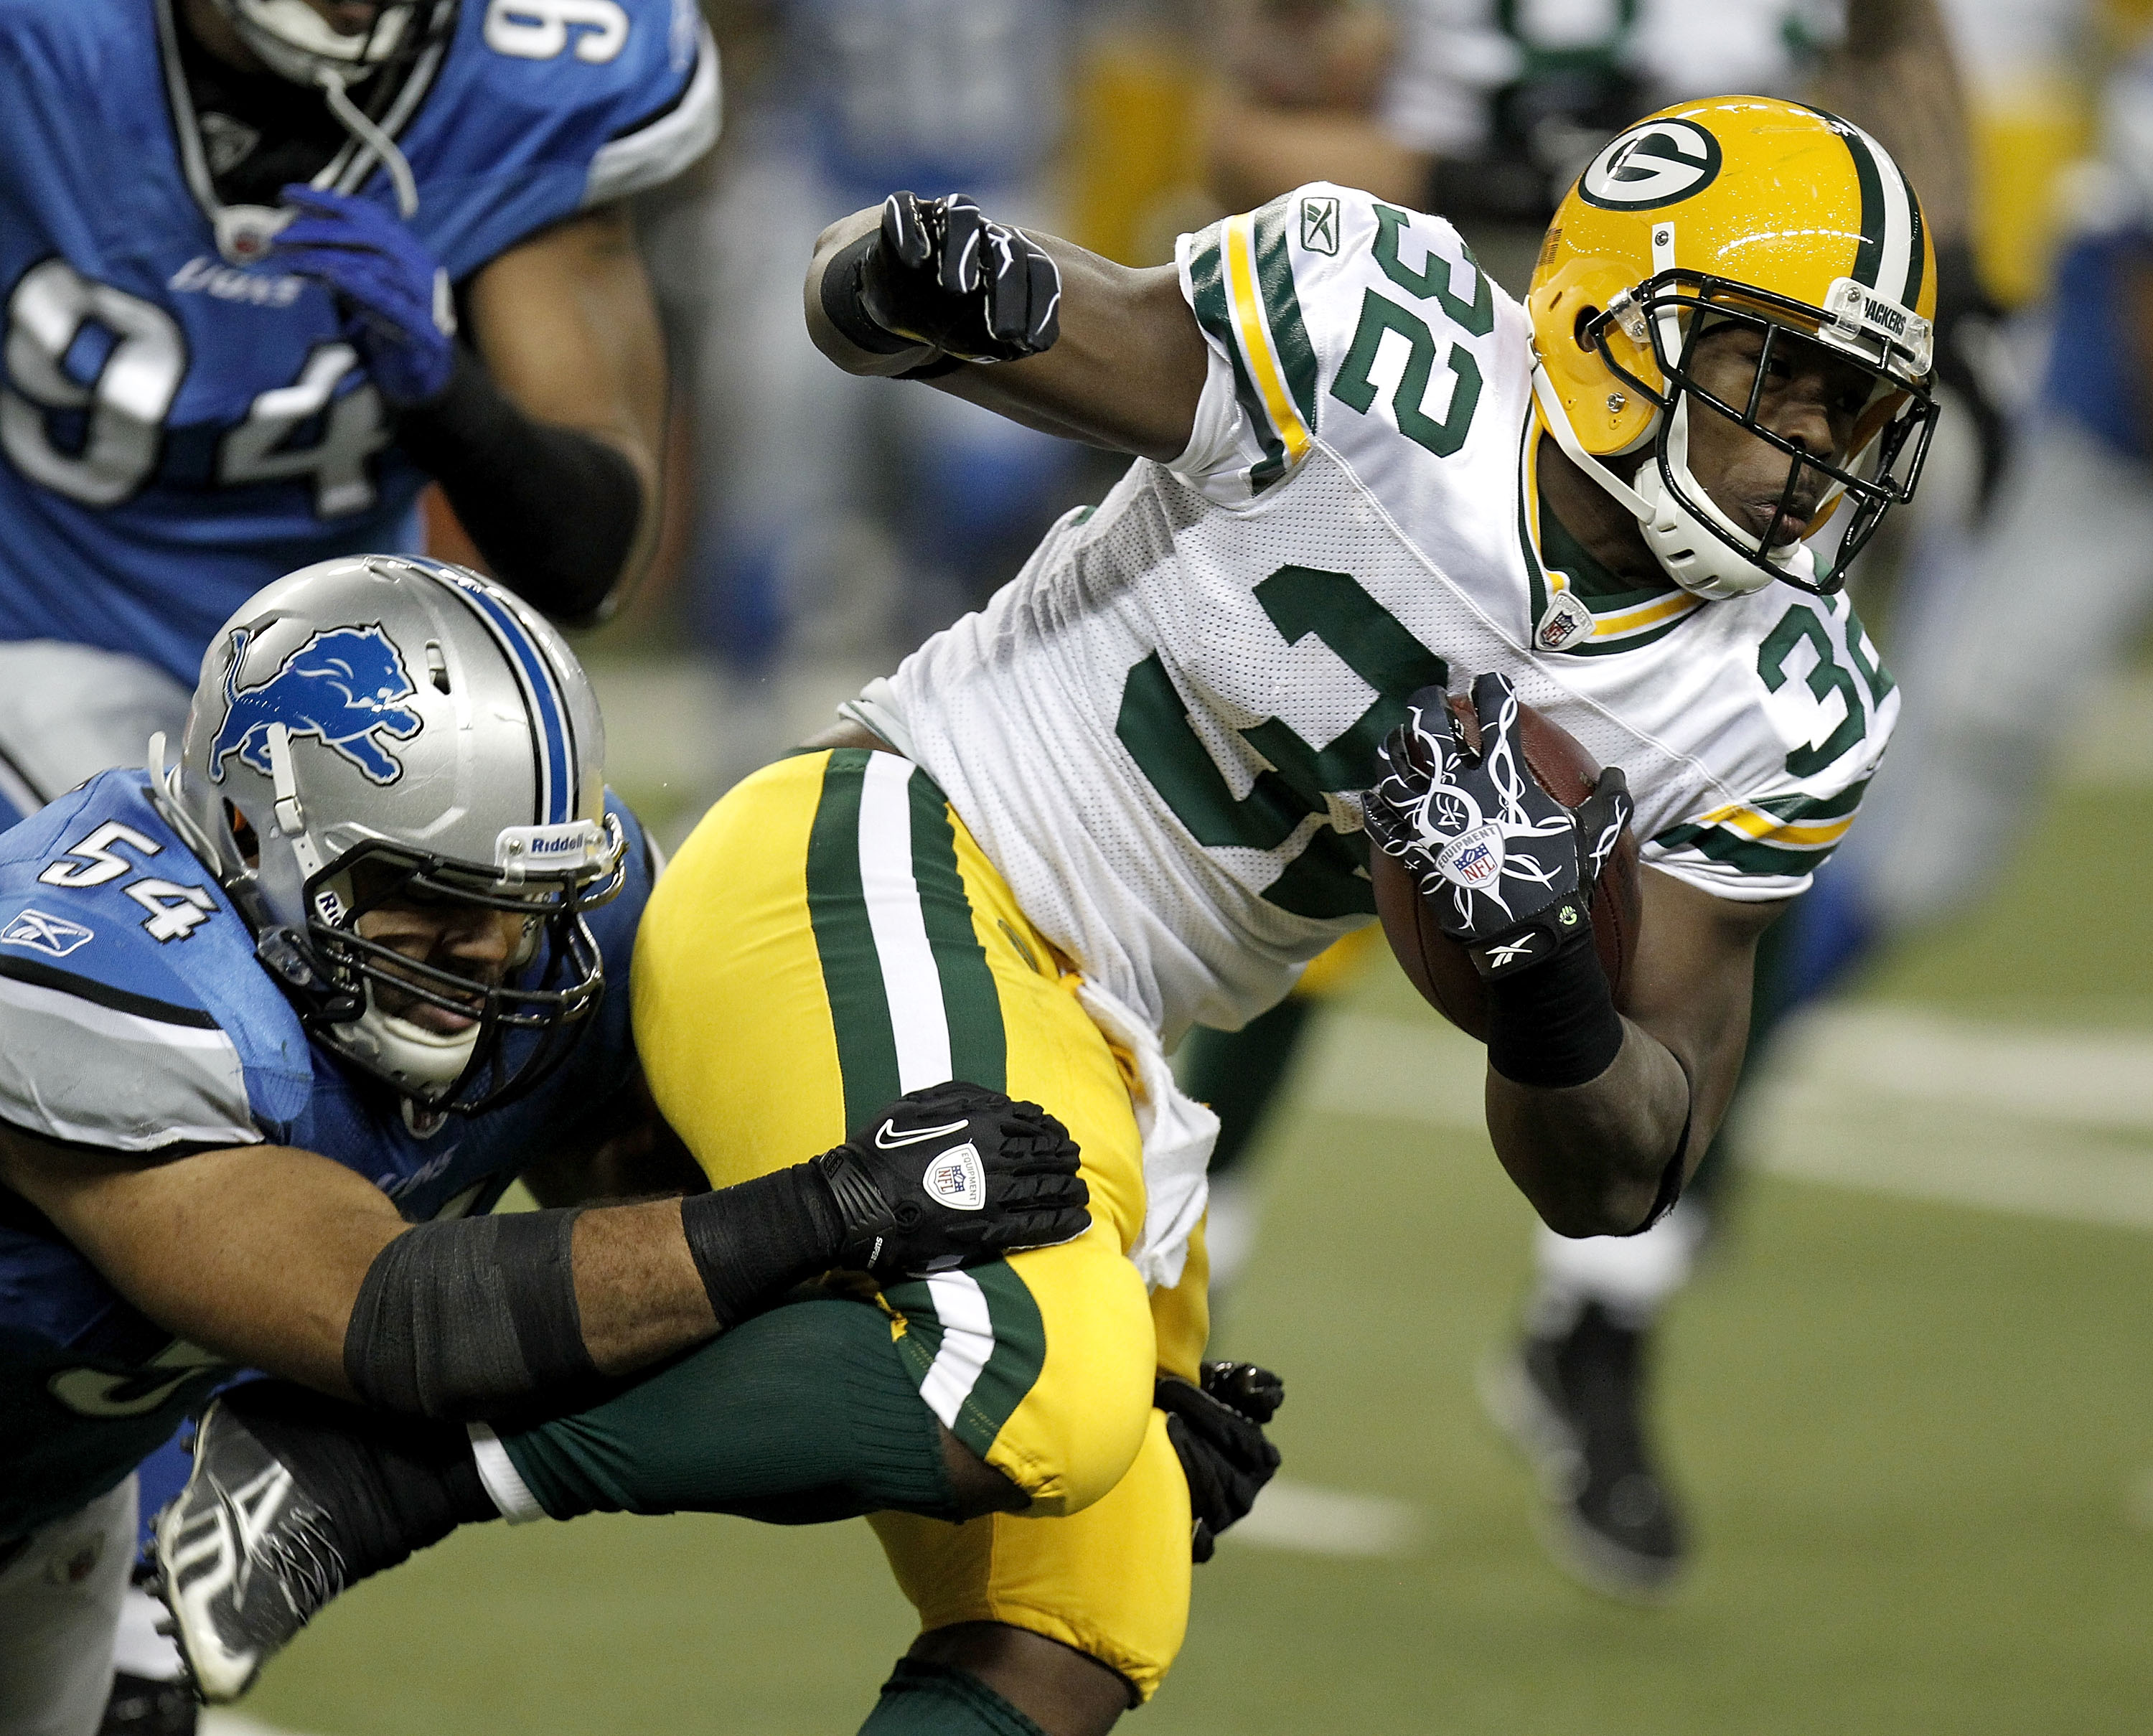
[1439, 966]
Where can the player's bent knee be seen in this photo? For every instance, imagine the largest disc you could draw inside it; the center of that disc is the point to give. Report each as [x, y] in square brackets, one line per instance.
[1061, 1407]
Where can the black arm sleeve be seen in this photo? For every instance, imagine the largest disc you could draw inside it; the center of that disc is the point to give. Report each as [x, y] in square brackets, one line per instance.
[554, 511]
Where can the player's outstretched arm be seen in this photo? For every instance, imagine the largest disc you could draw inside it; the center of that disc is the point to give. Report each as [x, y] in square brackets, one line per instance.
[1065, 341]
[281, 1260]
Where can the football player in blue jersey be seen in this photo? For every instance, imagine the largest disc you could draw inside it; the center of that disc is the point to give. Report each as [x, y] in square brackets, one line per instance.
[266, 266]
[276, 1029]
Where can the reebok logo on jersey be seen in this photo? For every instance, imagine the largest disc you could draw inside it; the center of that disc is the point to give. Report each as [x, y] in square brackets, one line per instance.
[957, 1179]
[888, 1138]
[343, 687]
[1472, 861]
[1319, 226]
[54, 934]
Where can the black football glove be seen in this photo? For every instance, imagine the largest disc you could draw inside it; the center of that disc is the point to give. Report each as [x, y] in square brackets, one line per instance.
[1509, 869]
[1218, 1433]
[938, 272]
[953, 1174]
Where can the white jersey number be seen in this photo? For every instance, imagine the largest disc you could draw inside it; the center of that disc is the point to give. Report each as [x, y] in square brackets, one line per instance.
[92, 372]
[97, 438]
[541, 29]
[176, 911]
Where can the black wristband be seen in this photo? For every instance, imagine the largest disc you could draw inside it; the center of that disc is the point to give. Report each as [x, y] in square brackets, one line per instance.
[471, 1317]
[553, 510]
[757, 1238]
[844, 310]
[1556, 1024]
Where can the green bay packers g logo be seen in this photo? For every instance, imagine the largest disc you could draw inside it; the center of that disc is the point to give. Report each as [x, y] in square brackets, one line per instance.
[1655, 164]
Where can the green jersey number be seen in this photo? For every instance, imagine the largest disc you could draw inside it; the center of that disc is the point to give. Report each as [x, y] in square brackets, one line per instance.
[1474, 313]
[1825, 678]
[1329, 876]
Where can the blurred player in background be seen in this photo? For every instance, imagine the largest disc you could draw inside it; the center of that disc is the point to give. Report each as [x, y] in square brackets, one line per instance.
[241, 239]
[840, 522]
[2076, 509]
[269, 265]
[1485, 114]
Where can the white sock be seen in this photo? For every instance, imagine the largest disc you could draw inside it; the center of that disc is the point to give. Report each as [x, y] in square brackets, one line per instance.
[1631, 1277]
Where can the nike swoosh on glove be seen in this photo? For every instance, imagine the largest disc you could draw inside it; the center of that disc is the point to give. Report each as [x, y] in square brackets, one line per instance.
[1509, 869]
[397, 309]
[953, 1174]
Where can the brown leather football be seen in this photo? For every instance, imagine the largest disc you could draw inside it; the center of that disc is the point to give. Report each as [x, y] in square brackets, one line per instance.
[1439, 966]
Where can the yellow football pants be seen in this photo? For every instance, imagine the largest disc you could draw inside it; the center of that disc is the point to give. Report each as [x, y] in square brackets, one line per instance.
[829, 937]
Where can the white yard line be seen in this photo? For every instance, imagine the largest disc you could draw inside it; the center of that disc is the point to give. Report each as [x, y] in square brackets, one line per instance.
[1885, 1099]
[221, 1721]
[1301, 1517]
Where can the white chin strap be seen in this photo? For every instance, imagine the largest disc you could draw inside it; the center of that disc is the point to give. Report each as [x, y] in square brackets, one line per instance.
[427, 1061]
[1689, 551]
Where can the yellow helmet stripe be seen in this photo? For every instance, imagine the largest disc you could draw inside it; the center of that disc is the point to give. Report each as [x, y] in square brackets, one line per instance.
[1246, 299]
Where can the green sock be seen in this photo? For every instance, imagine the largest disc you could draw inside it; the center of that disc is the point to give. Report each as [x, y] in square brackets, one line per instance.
[1239, 1072]
[934, 1699]
[798, 1416]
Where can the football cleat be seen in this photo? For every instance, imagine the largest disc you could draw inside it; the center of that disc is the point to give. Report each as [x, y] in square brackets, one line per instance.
[244, 1557]
[1570, 1403]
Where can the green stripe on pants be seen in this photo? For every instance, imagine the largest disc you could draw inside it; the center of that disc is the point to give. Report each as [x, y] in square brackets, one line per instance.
[852, 973]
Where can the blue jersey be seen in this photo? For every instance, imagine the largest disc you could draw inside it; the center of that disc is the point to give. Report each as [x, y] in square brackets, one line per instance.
[134, 1017]
[2087, 379]
[176, 430]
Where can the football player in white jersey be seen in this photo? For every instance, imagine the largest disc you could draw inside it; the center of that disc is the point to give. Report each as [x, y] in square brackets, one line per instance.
[1365, 470]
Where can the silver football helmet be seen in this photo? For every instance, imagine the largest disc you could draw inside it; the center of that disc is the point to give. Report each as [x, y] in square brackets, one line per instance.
[297, 41]
[388, 730]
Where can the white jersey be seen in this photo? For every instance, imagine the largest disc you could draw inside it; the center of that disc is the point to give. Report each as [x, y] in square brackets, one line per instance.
[1159, 729]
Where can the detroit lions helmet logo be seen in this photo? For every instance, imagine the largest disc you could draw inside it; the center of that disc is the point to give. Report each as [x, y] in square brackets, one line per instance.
[343, 686]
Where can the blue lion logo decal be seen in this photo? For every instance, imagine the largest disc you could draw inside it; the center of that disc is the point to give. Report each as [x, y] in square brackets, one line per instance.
[342, 686]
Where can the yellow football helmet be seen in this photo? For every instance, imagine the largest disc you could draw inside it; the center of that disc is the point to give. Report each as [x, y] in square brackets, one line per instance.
[1750, 210]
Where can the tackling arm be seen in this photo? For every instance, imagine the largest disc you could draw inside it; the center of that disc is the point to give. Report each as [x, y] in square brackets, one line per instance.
[284, 1260]
[259, 1253]
[1125, 373]
[1591, 1157]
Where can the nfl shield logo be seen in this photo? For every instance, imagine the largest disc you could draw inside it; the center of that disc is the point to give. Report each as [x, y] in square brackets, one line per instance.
[958, 1179]
[1472, 861]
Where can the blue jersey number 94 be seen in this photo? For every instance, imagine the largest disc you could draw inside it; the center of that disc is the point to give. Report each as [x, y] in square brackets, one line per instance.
[92, 372]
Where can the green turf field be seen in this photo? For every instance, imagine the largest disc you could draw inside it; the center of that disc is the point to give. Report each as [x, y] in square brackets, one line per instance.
[1917, 1435]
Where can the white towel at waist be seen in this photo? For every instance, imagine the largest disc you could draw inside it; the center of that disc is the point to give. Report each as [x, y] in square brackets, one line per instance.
[1179, 1133]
